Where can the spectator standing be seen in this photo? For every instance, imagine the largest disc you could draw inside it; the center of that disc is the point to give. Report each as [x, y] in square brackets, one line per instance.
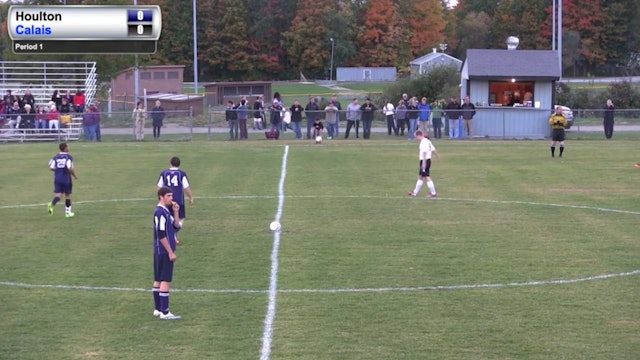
[54, 117]
[165, 227]
[67, 95]
[243, 115]
[98, 132]
[62, 166]
[28, 99]
[453, 114]
[389, 113]
[139, 117]
[56, 98]
[275, 116]
[282, 125]
[312, 113]
[425, 151]
[609, 110]
[296, 118]
[90, 120]
[468, 111]
[336, 103]
[401, 117]
[331, 118]
[425, 112]
[367, 109]
[8, 99]
[177, 180]
[412, 114]
[231, 116]
[438, 118]
[157, 118]
[258, 113]
[79, 101]
[353, 117]
[557, 122]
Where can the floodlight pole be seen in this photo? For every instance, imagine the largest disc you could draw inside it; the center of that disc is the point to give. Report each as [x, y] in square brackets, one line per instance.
[333, 43]
[195, 51]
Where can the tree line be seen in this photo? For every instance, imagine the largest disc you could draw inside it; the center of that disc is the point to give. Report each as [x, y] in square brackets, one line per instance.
[280, 39]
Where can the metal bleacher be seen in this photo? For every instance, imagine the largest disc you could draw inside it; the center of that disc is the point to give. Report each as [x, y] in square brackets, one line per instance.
[42, 78]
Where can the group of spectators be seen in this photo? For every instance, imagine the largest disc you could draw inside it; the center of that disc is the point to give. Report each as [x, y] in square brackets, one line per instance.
[23, 113]
[409, 113]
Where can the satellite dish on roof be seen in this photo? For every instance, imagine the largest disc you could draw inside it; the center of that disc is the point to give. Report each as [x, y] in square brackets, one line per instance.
[512, 42]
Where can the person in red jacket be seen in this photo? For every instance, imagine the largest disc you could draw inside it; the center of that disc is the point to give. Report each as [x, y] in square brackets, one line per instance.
[79, 101]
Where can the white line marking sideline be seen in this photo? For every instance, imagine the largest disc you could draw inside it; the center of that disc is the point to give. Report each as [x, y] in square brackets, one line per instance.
[267, 334]
[340, 290]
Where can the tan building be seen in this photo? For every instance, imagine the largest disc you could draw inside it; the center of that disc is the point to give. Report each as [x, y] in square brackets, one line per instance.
[155, 79]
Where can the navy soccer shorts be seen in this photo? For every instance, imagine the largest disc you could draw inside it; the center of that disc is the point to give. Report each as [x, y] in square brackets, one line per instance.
[162, 268]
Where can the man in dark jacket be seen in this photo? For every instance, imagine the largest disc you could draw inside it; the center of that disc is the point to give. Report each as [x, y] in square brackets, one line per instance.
[468, 111]
[453, 115]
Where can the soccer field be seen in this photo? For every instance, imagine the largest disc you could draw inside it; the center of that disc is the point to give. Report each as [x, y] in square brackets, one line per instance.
[521, 256]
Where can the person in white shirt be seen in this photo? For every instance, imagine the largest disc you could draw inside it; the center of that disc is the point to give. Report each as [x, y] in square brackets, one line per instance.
[389, 112]
[426, 149]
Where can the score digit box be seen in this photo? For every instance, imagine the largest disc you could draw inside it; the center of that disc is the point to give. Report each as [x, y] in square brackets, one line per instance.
[84, 29]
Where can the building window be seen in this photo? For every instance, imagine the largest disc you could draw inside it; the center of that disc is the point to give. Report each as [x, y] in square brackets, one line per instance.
[510, 93]
[158, 75]
[145, 75]
[172, 75]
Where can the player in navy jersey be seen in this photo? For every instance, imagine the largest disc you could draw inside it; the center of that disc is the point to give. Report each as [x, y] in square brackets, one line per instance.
[165, 226]
[62, 167]
[177, 181]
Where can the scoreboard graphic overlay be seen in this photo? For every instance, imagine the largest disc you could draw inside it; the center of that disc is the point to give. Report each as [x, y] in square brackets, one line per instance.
[84, 29]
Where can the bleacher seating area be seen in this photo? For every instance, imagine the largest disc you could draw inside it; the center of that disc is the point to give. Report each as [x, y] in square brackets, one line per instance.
[71, 132]
[42, 78]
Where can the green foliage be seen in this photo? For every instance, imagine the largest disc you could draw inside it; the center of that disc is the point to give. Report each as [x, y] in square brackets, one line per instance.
[624, 95]
[439, 83]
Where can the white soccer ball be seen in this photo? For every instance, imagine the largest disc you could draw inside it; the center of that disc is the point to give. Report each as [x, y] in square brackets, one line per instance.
[274, 226]
[318, 139]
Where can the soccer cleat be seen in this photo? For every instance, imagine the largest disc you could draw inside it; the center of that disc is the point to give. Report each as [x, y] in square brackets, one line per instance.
[50, 208]
[69, 215]
[411, 193]
[169, 316]
[157, 313]
[431, 196]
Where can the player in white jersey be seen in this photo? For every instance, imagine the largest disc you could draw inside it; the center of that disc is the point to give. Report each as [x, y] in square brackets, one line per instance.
[426, 149]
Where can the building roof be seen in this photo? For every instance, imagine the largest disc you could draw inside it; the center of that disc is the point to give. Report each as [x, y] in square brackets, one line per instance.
[520, 64]
[431, 57]
[173, 97]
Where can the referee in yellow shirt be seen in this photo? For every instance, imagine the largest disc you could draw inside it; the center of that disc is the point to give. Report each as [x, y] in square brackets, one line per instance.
[557, 122]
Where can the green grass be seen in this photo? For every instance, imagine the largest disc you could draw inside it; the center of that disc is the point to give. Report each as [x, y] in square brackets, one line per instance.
[365, 272]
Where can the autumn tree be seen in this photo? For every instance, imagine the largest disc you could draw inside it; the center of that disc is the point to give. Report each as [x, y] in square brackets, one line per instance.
[226, 54]
[425, 25]
[521, 19]
[474, 32]
[268, 20]
[307, 42]
[377, 38]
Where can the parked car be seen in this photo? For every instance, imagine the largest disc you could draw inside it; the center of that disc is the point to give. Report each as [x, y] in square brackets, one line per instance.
[568, 114]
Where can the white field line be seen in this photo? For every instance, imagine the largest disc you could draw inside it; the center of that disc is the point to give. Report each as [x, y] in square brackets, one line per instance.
[340, 290]
[253, 197]
[267, 334]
